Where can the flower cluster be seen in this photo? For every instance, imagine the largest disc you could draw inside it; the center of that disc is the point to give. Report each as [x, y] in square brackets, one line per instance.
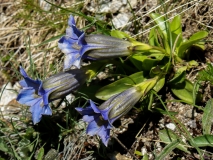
[77, 46]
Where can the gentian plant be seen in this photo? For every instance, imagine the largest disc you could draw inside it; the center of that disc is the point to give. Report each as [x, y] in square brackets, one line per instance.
[144, 70]
[77, 46]
[38, 94]
[100, 118]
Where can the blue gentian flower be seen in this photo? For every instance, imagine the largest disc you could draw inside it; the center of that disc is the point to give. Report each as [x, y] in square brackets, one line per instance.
[96, 124]
[76, 46]
[100, 118]
[38, 94]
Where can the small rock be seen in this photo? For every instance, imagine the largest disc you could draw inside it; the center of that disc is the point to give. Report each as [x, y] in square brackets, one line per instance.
[171, 126]
[192, 124]
[7, 94]
[44, 5]
[121, 19]
[143, 150]
[190, 113]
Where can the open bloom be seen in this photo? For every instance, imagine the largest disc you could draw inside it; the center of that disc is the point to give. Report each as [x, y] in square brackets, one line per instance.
[37, 94]
[100, 118]
[76, 46]
[96, 124]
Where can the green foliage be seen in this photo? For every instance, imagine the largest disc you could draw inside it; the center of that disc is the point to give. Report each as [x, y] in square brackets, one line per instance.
[207, 119]
[168, 136]
[166, 150]
[206, 74]
[204, 140]
[120, 85]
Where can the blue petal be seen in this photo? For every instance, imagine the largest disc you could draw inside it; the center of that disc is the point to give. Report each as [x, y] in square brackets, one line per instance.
[72, 59]
[26, 96]
[94, 107]
[70, 33]
[46, 110]
[71, 23]
[36, 110]
[85, 111]
[87, 118]
[66, 43]
[22, 71]
[45, 94]
[104, 134]
[81, 40]
[105, 113]
[77, 62]
[93, 127]
[28, 82]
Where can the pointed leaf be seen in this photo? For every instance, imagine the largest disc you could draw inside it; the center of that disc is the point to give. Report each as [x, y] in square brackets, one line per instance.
[163, 29]
[192, 40]
[204, 141]
[120, 85]
[40, 154]
[180, 76]
[153, 39]
[176, 30]
[207, 117]
[147, 60]
[166, 150]
[119, 34]
[160, 21]
[183, 91]
[168, 136]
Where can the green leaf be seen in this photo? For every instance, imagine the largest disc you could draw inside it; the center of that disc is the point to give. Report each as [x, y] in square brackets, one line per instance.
[119, 34]
[162, 28]
[120, 85]
[161, 111]
[40, 153]
[195, 38]
[166, 150]
[206, 74]
[204, 141]
[160, 83]
[24, 150]
[180, 76]
[176, 31]
[183, 91]
[153, 39]
[168, 136]
[147, 60]
[3, 147]
[207, 117]
[160, 21]
[145, 157]
[138, 153]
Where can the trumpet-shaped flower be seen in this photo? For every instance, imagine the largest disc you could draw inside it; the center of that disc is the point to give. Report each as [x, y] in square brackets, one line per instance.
[76, 46]
[100, 118]
[96, 124]
[37, 94]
